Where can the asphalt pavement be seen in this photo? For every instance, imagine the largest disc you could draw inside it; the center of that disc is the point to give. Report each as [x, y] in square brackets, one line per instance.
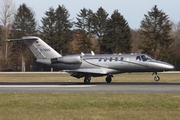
[134, 87]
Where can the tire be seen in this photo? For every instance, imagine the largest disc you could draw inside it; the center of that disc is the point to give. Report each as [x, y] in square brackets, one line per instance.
[108, 79]
[156, 78]
[87, 79]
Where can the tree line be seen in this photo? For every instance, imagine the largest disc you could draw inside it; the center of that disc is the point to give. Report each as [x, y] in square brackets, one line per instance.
[98, 31]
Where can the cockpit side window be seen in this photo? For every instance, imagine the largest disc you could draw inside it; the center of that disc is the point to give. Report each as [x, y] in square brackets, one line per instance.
[143, 57]
[138, 58]
[146, 58]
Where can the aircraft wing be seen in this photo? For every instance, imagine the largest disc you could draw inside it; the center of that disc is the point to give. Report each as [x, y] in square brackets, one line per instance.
[93, 72]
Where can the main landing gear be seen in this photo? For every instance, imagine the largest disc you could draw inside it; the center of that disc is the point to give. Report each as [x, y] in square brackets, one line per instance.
[109, 78]
[156, 77]
[87, 79]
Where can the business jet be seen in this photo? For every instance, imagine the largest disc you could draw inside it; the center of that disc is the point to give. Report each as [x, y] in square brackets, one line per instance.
[94, 65]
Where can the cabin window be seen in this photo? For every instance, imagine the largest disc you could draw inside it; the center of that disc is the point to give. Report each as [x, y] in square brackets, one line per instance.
[121, 58]
[100, 59]
[110, 59]
[105, 59]
[116, 59]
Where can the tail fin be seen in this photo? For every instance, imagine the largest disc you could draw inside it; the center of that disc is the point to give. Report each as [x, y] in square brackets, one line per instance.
[39, 48]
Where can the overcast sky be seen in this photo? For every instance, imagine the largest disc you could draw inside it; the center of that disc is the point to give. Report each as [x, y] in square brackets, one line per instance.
[132, 10]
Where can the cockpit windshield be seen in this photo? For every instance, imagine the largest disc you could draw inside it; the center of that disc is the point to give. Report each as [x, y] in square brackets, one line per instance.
[143, 58]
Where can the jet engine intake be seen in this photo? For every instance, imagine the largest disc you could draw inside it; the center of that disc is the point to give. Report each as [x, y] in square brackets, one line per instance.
[73, 59]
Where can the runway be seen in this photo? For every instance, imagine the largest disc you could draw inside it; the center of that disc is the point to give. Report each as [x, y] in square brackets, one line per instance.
[135, 87]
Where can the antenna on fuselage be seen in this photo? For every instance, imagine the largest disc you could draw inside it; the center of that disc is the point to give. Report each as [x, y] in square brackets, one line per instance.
[92, 53]
[82, 53]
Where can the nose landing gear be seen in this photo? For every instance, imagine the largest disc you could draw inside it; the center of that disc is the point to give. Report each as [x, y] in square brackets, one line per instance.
[156, 77]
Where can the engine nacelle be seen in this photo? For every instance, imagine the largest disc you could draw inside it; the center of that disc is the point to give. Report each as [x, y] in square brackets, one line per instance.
[71, 59]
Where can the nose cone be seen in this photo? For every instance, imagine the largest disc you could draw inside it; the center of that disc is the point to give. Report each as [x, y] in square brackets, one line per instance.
[161, 66]
[168, 66]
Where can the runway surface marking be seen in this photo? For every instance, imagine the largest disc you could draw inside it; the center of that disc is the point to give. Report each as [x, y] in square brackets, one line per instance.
[45, 86]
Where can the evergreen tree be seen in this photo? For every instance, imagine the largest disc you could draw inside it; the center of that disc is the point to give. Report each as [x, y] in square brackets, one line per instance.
[47, 29]
[63, 32]
[117, 37]
[84, 25]
[83, 42]
[23, 25]
[56, 29]
[99, 23]
[85, 21]
[82, 19]
[155, 33]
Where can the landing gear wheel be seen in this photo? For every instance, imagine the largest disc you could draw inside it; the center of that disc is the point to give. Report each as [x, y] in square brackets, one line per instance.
[87, 79]
[156, 78]
[108, 79]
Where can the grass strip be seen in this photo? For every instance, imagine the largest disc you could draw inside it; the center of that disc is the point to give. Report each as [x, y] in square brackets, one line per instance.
[127, 77]
[89, 106]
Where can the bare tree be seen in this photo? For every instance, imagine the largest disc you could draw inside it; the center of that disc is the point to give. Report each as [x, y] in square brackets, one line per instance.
[176, 30]
[135, 40]
[176, 35]
[7, 10]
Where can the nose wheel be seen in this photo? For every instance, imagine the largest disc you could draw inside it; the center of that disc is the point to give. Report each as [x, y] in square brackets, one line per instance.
[156, 77]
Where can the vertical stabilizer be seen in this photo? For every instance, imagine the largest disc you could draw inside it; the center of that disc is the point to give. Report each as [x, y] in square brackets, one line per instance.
[39, 48]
